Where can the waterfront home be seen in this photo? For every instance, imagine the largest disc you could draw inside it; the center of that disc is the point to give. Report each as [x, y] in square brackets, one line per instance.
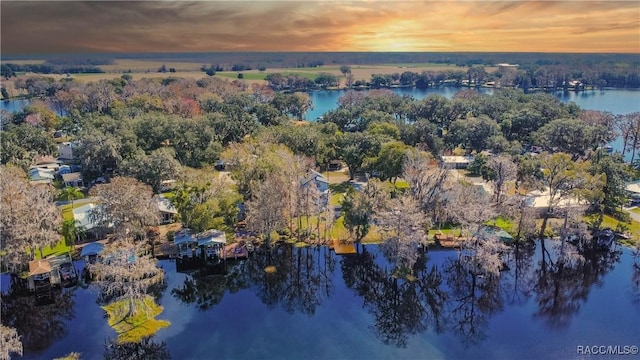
[539, 200]
[91, 228]
[72, 179]
[456, 162]
[39, 280]
[633, 189]
[40, 176]
[167, 211]
[66, 150]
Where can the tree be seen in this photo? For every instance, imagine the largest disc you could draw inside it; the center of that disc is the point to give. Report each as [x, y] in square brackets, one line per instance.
[402, 226]
[560, 177]
[129, 274]
[70, 231]
[426, 182]
[616, 175]
[359, 207]
[354, 148]
[9, 343]
[566, 135]
[206, 206]
[152, 169]
[4, 93]
[97, 152]
[29, 219]
[70, 193]
[503, 169]
[345, 69]
[473, 134]
[266, 211]
[390, 159]
[125, 205]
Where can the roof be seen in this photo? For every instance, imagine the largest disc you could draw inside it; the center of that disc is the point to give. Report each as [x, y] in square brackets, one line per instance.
[164, 205]
[37, 267]
[540, 199]
[40, 160]
[95, 248]
[183, 236]
[40, 174]
[82, 216]
[71, 177]
[633, 187]
[211, 237]
[457, 159]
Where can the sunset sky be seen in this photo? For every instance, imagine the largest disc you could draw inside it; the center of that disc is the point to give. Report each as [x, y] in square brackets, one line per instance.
[30, 27]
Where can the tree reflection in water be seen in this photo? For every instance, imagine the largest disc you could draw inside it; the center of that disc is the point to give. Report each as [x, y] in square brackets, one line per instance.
[400, 307]
[473, 297]
[143, 350]
[39, 325]
[452, 297]
[300, 283]
[563, 285]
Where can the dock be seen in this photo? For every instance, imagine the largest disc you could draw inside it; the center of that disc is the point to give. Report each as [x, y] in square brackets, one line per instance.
[342, 247]
[448, 241]
[234, 251]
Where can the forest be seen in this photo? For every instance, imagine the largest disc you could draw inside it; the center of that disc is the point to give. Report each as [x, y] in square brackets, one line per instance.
[130, 135]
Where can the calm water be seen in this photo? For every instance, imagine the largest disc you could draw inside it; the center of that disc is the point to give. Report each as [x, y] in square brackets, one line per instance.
[322, 306]
[615, 101]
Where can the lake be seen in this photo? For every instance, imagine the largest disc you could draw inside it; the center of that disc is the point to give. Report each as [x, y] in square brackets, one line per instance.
[319, 305]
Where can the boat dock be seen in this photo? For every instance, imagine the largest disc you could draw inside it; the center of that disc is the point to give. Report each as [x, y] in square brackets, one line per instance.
[342, 247]
[448, 241]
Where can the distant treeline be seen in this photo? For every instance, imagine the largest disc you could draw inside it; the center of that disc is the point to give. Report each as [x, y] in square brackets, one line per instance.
[68, 65]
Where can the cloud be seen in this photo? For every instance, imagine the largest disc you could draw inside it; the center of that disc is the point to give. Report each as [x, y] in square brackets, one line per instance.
[177, 26]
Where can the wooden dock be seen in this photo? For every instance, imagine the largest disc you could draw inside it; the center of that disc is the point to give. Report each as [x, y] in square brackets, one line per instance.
[449, 241]
[342, 247]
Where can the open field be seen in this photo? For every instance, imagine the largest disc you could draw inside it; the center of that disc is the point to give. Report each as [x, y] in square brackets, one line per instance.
[139, 69]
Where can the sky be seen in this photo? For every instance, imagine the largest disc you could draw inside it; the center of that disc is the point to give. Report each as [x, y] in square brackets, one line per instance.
[34, 27]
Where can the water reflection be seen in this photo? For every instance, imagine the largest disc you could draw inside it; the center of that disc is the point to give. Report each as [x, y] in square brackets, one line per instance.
[39, 325]
[473, 298]
[563, 286]
[301, 281]
[400, 307]
[146, 349]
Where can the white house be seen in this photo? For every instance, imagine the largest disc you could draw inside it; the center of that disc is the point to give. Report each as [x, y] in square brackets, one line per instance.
[72, 179]
[38, 175]
[457, 162]
[539, 199]
[167, 211]
[66, 150]
[321, 183]
[633, 189]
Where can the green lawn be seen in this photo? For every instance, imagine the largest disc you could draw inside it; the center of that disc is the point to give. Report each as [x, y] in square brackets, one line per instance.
[141, 324]
[636, 210]
[633, 228]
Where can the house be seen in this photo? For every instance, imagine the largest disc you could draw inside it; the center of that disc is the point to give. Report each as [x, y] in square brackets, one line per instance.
[39, 280]
[194, 246]
[73, 179]
[90, 227]
[167, 211]
[456, 162]
[633, 189]
[539, 200]
[46, 162]
[38, 175]
[66, 150]
[321, 183]
[167, 185]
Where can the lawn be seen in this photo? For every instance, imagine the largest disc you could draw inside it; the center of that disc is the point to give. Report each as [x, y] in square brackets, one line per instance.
[133, 328]
[633, 228]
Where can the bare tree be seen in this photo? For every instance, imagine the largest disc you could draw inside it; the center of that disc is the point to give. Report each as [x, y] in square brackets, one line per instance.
[266, 211]
[503, 169]
[126, 205]
[128, 273]
[28, 220]
[9, 342]
[402, 226]
[426, 183]
[469, 206]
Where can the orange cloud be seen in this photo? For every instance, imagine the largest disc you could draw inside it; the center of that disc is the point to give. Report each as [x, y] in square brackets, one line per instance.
[161, 26]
